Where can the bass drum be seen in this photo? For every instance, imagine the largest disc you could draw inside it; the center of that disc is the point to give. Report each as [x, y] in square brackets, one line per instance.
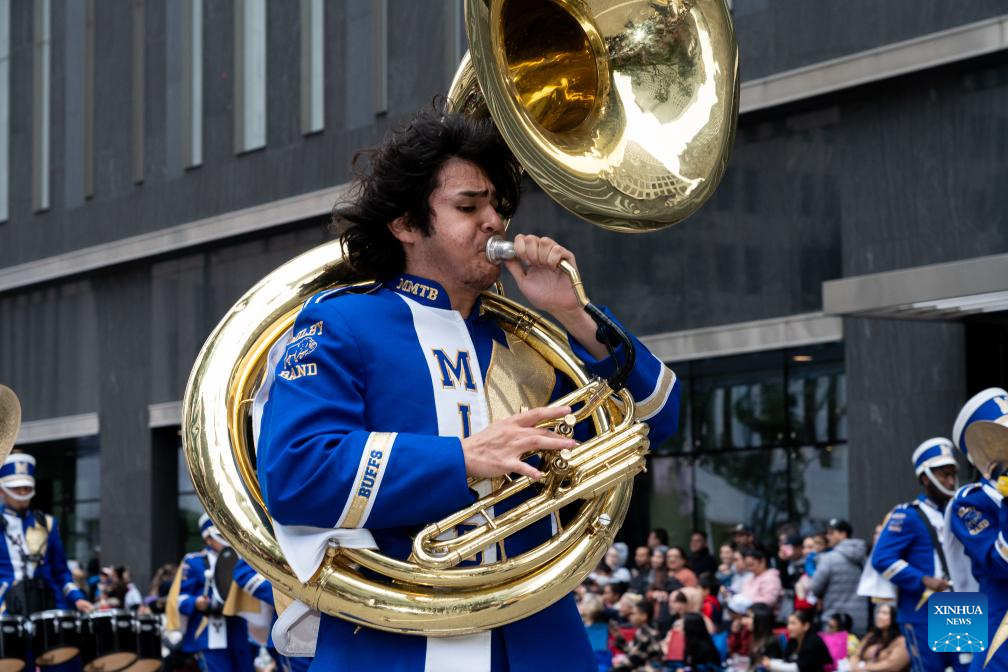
[13, 643]
[148, 633]
[55, 638]
[108, 640]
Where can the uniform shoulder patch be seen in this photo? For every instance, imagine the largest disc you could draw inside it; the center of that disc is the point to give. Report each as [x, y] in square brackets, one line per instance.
[343, 290]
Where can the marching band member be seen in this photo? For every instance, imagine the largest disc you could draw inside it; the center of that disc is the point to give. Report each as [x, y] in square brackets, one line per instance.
[978, 519]
[909, 553]
[254, 584]
[220, 643]
[34, 575]
[377, 415]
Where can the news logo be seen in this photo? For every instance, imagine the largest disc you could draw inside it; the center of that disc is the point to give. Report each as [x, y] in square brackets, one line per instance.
[957, 622]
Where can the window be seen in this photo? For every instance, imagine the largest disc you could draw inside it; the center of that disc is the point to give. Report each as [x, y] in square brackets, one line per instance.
[312, 66]
[365, 61]
[4, 110]
[78, 108]
[68, 486]
[250, 75]
[139, 61]
[184, 85]
[41, 66]
[189, 508]
[762, 440]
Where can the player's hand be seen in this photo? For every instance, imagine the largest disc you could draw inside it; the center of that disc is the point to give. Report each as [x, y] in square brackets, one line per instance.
[202, 603]
[536, 271]
[936, 584]
[497, 450]
[84, 606]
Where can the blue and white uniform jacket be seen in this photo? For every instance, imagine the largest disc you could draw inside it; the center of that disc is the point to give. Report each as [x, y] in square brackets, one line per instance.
[15, 565]
[905, 554]
[361, 429]
[978, 518]
[205, 632]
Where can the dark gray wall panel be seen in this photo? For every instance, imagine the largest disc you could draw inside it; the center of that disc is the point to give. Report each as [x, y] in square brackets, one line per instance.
[906, 381]
[777, 35]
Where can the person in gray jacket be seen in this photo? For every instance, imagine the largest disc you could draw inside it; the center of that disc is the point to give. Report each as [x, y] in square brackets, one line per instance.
[837, 574]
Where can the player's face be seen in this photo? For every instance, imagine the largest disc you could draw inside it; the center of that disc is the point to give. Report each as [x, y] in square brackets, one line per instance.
[946, 475]
[463, 217]
[19, 505]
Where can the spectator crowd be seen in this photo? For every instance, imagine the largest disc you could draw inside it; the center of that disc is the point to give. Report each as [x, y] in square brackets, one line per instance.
[796, 610]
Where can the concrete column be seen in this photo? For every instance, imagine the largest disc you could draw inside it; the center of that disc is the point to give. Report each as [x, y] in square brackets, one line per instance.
[906, 380]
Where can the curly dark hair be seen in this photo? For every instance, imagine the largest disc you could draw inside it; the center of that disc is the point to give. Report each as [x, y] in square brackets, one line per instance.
[400, 176]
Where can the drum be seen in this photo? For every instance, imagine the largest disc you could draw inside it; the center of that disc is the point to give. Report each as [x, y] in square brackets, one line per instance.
[13, 643]
[55, 639]
[148, 631]
[108, 640]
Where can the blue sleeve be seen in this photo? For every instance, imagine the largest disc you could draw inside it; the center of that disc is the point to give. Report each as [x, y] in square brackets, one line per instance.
[975, 521]
[888, 555]
[61, 576]
[653, 385]
[321, 464]
[191, 587]
[1001, 543]
[253, 582]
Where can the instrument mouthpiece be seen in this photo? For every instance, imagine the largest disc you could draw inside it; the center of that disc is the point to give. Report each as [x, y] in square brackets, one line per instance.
[498, 249]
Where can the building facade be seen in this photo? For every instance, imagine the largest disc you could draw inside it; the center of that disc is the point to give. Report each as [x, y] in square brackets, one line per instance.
[832, 306]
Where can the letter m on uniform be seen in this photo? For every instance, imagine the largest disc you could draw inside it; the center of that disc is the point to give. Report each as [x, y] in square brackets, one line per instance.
[455, 372]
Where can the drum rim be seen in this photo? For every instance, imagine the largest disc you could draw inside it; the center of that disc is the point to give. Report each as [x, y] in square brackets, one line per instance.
[110, 613]
[16, 618]
[53, 614]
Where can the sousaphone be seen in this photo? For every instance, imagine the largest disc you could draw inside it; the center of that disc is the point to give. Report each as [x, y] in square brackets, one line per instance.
[622, 111]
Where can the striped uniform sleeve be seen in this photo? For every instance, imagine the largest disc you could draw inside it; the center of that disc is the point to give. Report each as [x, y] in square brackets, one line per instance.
[893, 543]
[322, 466]
[62, 578]
[979, 523]
[252, 582]
[191, 586]
[653, 386]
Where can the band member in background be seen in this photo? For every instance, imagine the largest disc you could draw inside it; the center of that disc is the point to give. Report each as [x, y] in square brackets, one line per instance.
[33, 568]
[909, 553]
[978, 520]
[376, 413]
[220, 643]
[258, 587]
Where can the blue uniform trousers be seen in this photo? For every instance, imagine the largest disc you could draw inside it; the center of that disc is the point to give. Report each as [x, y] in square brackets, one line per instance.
[922, 658]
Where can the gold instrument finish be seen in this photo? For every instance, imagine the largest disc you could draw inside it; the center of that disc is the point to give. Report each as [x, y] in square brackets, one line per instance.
[10, 420]
[623, 111]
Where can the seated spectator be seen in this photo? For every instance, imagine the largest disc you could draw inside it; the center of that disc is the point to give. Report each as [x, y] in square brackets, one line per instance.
[591, 611]
[711, 605]
[805, 651]
[658, 538]
[699, 652]
[725, 570]
[644, 652]
[841, 622]
[675, 562]
[883, 649]
[763, 643]
[739, 633]
[763, 584]
[700, 559]
[640, 573]
[617, 572]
